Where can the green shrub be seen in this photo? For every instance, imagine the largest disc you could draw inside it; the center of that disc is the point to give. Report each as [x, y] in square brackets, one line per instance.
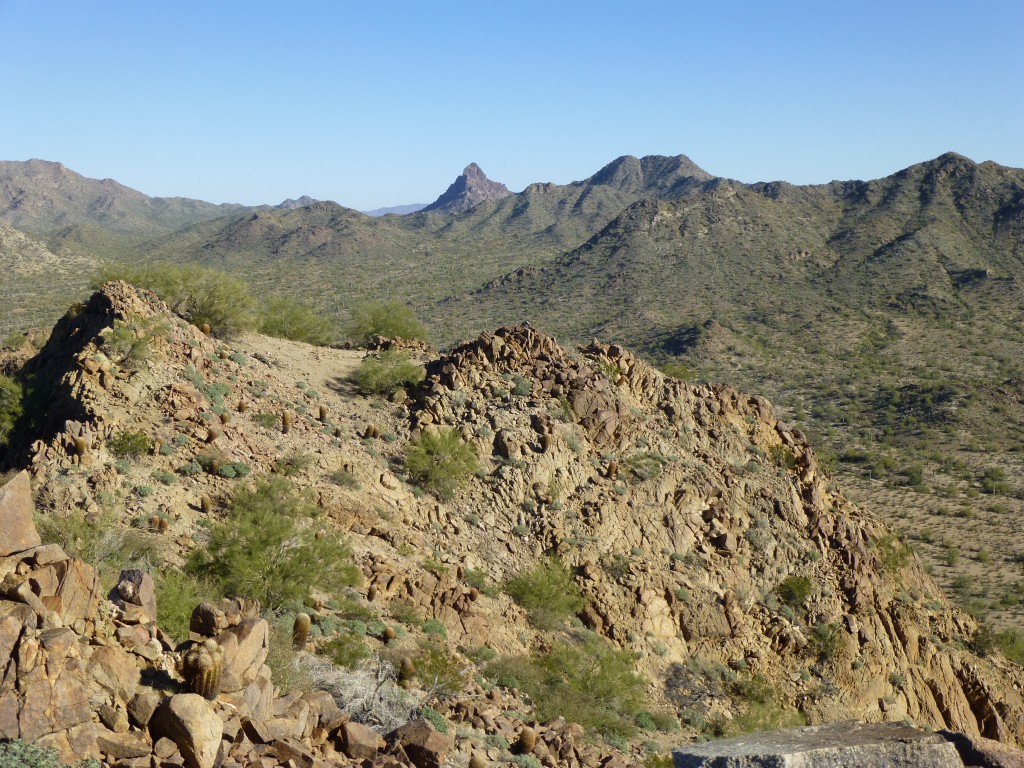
[130, 444]
[678, 371]
[266, 549]
[586, 681]
[198, 294]
[383, 373]
[11, 396]
[436, 718]
[827, 640]
[892, 553]
[392, 320]
[177, 595]
[794, 591]
[441, 461]
[22, 754]
[644, 465]
[128, 343]
[547, 592]
[267, 420]
[346, 650]
[287, 318]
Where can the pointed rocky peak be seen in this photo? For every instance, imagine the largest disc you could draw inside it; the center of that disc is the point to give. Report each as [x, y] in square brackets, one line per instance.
[467, 191]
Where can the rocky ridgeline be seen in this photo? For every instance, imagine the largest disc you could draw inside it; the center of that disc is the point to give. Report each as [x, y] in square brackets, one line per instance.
[682, 509]
[682, 506]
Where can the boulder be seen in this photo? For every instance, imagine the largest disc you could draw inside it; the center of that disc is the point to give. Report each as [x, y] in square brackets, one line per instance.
[875, 745]
[359, 742]
[424, 746]
[16, 516]
[189, 721]
[136, 589]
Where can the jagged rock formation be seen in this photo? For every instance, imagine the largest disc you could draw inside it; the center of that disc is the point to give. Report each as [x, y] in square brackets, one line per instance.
[467, 191]
[689, 515]
[291, 205]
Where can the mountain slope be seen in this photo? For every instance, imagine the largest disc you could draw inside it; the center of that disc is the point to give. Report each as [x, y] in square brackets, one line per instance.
[45, 198]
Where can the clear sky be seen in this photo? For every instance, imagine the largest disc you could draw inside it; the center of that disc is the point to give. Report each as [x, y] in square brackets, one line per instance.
[383, 103]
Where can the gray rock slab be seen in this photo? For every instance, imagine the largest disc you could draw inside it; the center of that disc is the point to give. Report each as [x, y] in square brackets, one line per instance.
[834, 745]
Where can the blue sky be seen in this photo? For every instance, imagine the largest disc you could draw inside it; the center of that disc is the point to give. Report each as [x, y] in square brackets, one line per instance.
[384, 103]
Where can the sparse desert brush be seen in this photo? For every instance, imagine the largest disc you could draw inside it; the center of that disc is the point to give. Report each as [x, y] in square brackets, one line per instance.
[267, 548]
[441, 461]
[288, 318]
[547, 592]
[177, 595]
[794, 590]
[392, 320]
[383, 373]
[585, 680]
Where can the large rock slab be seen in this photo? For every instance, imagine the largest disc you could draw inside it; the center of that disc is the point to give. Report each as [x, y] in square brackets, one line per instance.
[835, 745]
[18, 530]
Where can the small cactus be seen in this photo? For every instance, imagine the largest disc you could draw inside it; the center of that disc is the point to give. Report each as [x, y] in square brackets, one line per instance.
[613, 469]
[158, 443]
[214, 466]
[224, 354]
[337, 431]
[527, 740]
[300, 630]
[81, 446]
[201, 668]
[545, 443]
[154, 522]
[389, 634]
[205, 328]
[225, 417]
[371, 593]
[286, 421]
[205, 504]
[406, 669]
[323, 414]
[474, 594]
[212, 435]
[243, 406]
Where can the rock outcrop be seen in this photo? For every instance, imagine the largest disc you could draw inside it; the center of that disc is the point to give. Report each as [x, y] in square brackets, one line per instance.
[467, 191]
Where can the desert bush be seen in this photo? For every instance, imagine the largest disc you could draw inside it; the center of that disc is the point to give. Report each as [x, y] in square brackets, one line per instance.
[130, 444]
[644, 465]
[392, 320]
[22, 754]
[267, 549]
[383, 373]
[198, 294]
[827, 640]
[892, 553]
[177, 595]
[678, 371]
[288, 318]
[794, 591]
[584, 680]
[441, 461]
[129, 343]
[369, 693]
[100, 541]
[11, 396]
[547, 592]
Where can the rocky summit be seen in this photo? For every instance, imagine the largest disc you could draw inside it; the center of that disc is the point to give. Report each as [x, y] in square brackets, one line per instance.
[467, 191]
[725, 583]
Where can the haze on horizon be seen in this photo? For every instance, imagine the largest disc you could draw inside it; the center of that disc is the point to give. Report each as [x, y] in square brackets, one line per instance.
[375, 105]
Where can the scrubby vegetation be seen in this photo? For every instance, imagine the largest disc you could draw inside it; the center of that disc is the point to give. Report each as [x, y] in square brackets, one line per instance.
[392, 320]
[267, 548]
[385, 372]
[288, 318]
[583, 679]
[11, 407]
[441, 461]
[201, 295]
[548, 593]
